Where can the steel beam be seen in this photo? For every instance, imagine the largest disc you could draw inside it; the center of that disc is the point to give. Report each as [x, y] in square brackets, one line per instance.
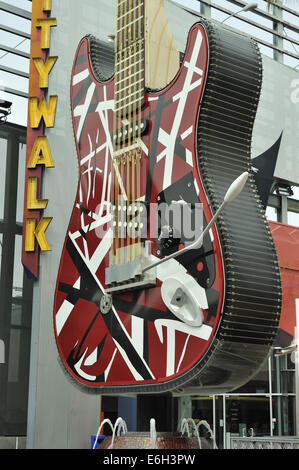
[17, 32]
[12, 50]
[15, 10]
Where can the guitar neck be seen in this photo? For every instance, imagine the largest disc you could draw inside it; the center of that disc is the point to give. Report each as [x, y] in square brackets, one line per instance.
[129, 57]
[146, 53]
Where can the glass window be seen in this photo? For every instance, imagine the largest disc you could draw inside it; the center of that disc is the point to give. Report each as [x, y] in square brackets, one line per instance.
[295, 194]
[1, 239]
[16, 315]
[202, 409]
[283, 374]
[284, 416]
[248, 415]
[3, 147]
[10, 19]
[271, 214]
[21, 182]
[14, 354]
[18, 268]
[293, 218]
[16, 394]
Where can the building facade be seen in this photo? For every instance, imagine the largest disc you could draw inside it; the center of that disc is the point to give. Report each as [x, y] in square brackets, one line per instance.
[38, 399]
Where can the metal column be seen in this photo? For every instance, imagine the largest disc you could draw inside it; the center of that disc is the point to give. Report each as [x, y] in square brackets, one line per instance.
[205, 9]
[7, 267]
[297, 366]
[278, 41]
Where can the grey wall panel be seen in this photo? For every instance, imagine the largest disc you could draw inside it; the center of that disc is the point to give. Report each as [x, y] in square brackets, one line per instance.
[278, 112]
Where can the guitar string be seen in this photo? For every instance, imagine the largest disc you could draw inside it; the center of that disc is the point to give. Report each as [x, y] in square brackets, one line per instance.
[135, 135]
[117, 48]
[138, 37]
[113, 174]
[120, 41]
[134, 120]
[138, 165]
[131, 80]
[112, 206]
[132, 115]
[128, 14]
[124, 122]
[141, 34]
[126, 82]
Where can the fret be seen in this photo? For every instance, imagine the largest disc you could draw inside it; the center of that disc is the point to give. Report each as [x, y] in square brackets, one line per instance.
[121, 2]
[128, 104]
[123, 69]
[129, 58]
[127, 101]
[120, 17]
[129, 24]
[129, 50]
[132, 84]
[127, 78]
[127, 37]
[127, 96]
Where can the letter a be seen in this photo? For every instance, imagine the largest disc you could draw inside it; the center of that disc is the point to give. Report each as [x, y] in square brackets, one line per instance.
[40, 154]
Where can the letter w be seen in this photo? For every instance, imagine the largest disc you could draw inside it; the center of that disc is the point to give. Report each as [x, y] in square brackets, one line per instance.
[42, 110]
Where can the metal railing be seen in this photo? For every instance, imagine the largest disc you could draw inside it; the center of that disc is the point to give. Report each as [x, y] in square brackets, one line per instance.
[15, 10]
[283, 442]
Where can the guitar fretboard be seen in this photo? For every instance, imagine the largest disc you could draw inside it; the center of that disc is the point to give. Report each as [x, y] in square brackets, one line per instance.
[129, 57]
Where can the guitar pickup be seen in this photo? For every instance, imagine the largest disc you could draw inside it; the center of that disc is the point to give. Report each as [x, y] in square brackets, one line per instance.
[130, 131]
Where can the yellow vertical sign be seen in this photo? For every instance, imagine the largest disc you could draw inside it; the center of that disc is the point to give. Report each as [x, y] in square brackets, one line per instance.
[41, 113]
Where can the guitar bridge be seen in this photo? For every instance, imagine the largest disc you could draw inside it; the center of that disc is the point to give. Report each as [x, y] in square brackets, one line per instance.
[126, 274]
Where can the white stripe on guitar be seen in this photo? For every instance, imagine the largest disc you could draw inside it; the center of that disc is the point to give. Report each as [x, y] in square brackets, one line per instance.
[79, 77]
[82, 110]
[92, 267]
[182, 100]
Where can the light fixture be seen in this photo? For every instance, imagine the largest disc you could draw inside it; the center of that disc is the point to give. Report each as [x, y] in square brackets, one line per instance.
[5, 110]
[111, 37]
[283, 189]
[249, 7]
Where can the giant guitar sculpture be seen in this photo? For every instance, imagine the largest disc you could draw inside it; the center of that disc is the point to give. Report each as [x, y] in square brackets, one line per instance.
[204, 321]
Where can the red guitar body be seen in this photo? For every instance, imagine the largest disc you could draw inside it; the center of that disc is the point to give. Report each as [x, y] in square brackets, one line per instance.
[139, 346]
